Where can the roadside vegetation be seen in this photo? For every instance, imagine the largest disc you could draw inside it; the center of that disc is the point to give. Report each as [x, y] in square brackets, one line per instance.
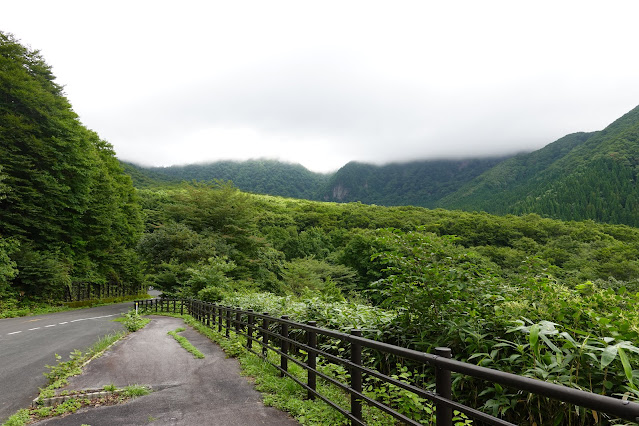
[184, 342]
[12, 308]
[75, 401]
[132, 321]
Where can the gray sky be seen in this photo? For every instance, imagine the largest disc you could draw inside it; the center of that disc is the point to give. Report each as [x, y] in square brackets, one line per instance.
[326, 82]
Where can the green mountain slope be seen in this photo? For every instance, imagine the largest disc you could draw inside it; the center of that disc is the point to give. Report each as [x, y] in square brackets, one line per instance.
[418, 183]
[146, 178]
[581, 176]
[258, 176]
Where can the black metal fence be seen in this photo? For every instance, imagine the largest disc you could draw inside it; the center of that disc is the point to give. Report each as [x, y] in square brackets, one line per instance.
[288, 338]
[80, 291]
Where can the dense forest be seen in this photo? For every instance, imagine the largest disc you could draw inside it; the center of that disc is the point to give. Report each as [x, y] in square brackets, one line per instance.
[68, 213]
[549, 299]
[259, 176]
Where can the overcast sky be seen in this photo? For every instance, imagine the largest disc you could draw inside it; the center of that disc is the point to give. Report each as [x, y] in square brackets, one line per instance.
[326, 82]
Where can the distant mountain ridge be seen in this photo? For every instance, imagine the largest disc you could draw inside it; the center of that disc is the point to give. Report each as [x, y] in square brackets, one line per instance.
[580, 176]
[419, 183]
[260, 176]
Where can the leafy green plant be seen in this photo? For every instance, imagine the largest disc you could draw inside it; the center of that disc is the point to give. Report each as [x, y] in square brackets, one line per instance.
[69, 406]
[20, 418]
[405, 402]
[60, 372]
[211, 294]
[133, 321]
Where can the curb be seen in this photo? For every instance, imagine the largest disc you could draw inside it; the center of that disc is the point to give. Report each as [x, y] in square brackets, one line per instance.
[90, 393]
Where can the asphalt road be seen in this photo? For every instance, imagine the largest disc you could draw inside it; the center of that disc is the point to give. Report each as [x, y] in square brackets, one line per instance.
[28, 344]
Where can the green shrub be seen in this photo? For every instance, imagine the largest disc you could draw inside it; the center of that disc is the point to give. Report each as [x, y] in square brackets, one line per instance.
[211, 294]
[133, 321]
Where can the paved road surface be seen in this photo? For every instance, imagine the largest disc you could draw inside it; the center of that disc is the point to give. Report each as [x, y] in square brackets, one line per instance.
[27, 344]
[187, 391]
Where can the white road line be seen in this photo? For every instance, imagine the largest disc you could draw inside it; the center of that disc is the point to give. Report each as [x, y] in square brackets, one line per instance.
[103, 316]
[65, 322]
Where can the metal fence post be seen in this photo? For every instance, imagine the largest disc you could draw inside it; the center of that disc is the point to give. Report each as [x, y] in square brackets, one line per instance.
[311, 341]
[212, 321]
[228, 321]
[249, 330]
[238, 319]
[265, 335]
[219, 318]
[284, 346]
[443, 388]
[356, 375]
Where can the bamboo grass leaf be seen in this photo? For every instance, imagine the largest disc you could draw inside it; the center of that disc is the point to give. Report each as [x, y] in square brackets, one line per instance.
[608, 355]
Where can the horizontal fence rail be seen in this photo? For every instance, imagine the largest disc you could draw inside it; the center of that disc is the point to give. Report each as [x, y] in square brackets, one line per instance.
[81, 291]
[287, 338]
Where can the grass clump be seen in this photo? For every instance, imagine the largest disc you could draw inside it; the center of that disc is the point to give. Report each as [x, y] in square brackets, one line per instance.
[183, 341]
[134, 391]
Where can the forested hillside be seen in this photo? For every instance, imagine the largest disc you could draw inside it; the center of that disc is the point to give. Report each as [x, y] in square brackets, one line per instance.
[146, 178]
[258, 176]
[68, 213]
[418, 183]
[581, 176]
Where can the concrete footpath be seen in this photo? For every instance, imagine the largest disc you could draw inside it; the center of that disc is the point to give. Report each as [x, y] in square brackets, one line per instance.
[186, 390]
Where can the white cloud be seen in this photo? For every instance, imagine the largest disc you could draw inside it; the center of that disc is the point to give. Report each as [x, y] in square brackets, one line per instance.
[326, 83]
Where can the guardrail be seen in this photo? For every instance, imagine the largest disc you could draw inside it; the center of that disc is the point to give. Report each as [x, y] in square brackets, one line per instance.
[267, 331]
